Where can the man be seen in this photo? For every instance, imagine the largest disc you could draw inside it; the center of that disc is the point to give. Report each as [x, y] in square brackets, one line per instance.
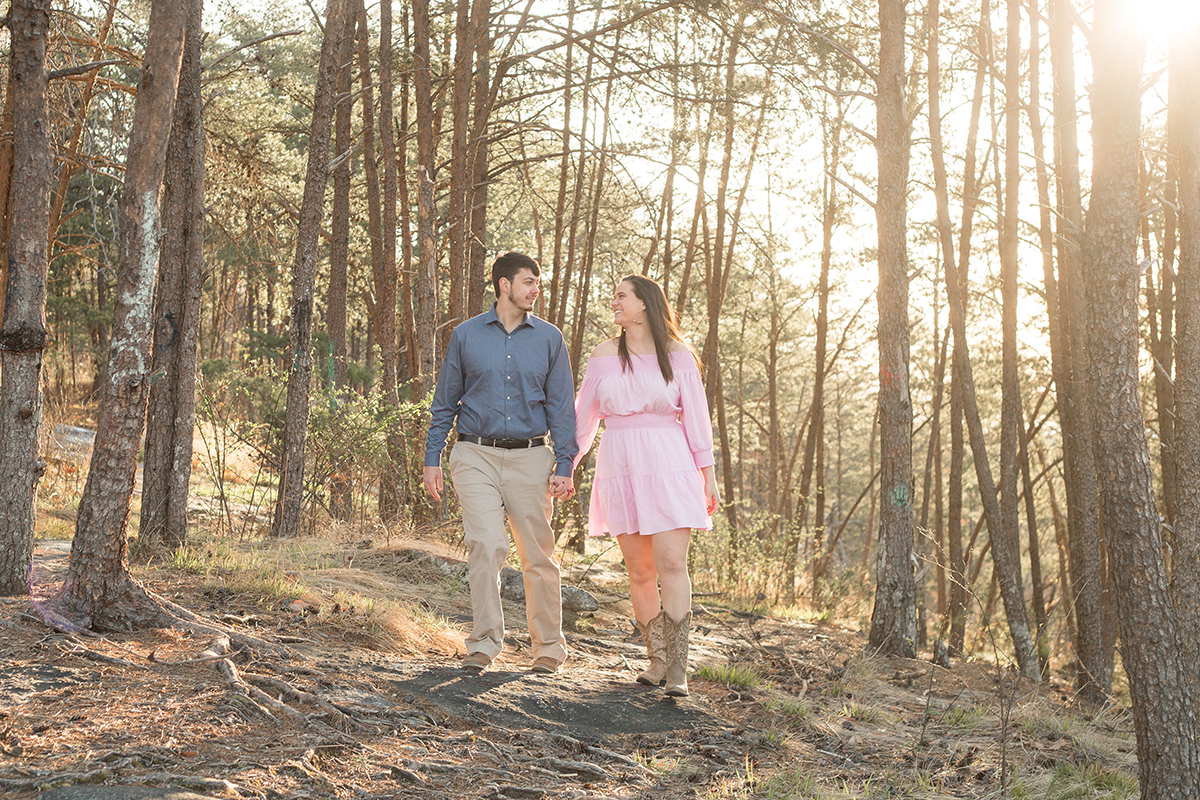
[507, 381]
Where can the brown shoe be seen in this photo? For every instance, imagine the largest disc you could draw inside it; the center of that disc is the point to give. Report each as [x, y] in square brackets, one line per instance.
[545, 665]
[477, 661]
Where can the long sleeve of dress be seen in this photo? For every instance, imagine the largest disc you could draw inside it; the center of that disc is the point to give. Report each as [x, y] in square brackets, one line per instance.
[697, 425]
[587, 415]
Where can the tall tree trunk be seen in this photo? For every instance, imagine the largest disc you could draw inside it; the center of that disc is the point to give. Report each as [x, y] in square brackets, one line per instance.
[666, 209]
[1035, 558]
[1163, 716]
[370, 164]
[340, 501]
[593, 225]
[481, 112]
[171, 420]
[929, 486]
[1094, 654]
[1058, 363]
[1185, 99]
[407, 299]
[894, 618]
[99, 591]
[557, 283]
[23, 332]
[581, 181]
[957, 603]
[816, 430]
[426, 289]
[286, 522]
[1011, 416]
[6, 173]
[458, 206]
[715, 275]
[339, 243]
[698, 209]
[1002, 539]
[391, 485]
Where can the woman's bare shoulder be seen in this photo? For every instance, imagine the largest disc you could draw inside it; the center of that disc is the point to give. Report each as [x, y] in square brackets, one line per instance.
[606, 348]
[679, 347]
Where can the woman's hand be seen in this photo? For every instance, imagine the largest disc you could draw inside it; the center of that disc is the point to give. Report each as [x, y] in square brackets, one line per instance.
[712, 496]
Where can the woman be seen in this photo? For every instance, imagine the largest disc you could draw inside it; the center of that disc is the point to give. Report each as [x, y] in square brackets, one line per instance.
[654, 477]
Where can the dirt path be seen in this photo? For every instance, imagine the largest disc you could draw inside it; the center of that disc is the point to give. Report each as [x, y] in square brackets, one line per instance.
[803, 714]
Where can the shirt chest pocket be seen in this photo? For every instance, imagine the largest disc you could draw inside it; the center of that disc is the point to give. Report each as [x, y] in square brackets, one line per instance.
[484, 383]
[526, 377]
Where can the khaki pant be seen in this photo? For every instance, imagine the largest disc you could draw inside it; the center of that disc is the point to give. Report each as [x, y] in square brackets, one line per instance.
[490, 483]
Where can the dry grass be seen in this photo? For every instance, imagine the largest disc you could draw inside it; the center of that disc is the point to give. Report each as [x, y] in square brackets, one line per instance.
[824, 719]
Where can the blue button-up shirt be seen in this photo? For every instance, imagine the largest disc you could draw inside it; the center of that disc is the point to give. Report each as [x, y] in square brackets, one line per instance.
[505, 385]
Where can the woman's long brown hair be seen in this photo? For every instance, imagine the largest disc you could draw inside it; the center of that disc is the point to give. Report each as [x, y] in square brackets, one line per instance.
[663, 327]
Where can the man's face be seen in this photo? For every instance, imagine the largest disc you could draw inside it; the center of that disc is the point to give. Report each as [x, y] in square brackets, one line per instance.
[524, 289]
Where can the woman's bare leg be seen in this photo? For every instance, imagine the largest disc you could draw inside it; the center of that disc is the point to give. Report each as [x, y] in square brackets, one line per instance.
[639, 556]
[670, 561]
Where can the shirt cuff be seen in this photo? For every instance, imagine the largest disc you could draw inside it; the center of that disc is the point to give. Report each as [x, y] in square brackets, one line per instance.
[433, 458]
[564, 469]
[703, 458]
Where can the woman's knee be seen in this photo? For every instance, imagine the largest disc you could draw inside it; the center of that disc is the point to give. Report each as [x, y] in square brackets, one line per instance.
[640, 566]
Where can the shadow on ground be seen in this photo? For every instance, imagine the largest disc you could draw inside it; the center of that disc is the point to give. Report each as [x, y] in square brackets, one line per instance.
[586, 703]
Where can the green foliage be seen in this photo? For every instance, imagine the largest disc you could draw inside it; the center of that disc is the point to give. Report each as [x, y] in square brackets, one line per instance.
[967, 717]
[744, 676]
[788, 784]
[792, 714]
[1089, 781]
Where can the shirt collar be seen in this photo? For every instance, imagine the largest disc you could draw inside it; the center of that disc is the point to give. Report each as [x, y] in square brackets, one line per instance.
[491, 316]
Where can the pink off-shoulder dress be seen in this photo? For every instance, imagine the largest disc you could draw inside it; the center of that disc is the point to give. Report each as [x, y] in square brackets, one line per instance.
[657, 438]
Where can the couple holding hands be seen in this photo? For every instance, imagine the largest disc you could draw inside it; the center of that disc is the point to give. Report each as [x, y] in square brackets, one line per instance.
[505, 383]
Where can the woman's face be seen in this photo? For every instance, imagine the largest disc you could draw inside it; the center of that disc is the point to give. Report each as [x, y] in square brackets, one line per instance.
[627, 309]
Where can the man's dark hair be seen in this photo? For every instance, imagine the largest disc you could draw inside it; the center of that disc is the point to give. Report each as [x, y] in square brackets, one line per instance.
[507, 265]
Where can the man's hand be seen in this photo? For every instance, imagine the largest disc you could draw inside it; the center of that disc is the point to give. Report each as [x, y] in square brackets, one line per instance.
[562, 487]
[433, 482]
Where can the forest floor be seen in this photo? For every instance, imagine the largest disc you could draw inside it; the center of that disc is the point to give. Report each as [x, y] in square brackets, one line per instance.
[369, 701]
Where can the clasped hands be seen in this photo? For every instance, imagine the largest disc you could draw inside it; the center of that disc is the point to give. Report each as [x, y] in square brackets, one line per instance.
[562, 487]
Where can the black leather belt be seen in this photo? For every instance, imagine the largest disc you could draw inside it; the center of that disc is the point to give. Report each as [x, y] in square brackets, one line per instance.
[503, 444]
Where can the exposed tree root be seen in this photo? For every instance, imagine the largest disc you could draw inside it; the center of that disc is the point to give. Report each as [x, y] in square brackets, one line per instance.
[130, 606]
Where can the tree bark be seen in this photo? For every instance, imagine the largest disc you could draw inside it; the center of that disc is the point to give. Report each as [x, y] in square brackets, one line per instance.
[340, 501]
[957, 603]
[1185, 98]
[814, 445]
[286, 522]
[894, 618]
[98, 591]
[481, 113]
[392, 485]
[1095, 655]
[23, 332]
[171, 420]
[458, 206]
[426, 288]
[339, 226]
[400, 160]
[1163, 716]
[1011, 416]
[557, 283]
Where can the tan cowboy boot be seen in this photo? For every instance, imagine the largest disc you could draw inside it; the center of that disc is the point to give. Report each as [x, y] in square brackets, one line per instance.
[654, 634]
[677, 655]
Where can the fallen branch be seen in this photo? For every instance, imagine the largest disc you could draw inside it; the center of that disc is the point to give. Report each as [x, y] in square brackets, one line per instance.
[77, 649]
